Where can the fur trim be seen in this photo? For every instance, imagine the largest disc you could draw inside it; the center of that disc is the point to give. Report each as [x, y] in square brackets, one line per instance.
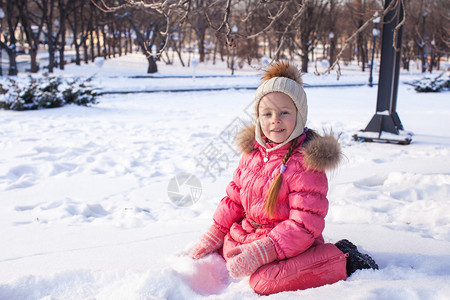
[283, 69]
[321, 152]
[245, 139]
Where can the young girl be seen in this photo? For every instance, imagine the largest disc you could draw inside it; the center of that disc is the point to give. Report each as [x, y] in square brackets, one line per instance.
[269, 226]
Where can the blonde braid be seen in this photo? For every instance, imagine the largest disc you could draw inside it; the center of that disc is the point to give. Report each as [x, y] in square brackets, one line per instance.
[272, 193]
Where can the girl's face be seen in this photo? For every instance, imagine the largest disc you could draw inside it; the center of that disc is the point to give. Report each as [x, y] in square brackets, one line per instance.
[277, 116]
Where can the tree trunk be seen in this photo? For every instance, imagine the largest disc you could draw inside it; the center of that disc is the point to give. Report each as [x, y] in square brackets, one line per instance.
[62, 61]
[85, 49]
[99, 49]
[332, 50]
[92, 45]
[51, 42]
[77, 54]
[423, 59]
[201, 45]
[51, 57]
[109, 48]
[180, 58]
[130, 39]
[216, 44]
[32, 38]
[119, 42]
[104, 42]
[152, 67]
[305, 61]
[405, 62]
[12, 71]
[125, 47]
[33, 57]
[361, 54]
[64, 8]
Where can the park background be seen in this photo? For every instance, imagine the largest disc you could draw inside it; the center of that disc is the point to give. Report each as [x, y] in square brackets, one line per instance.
[87, 191]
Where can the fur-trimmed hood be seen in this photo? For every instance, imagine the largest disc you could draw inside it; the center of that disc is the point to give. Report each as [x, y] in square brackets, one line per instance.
[319, 151]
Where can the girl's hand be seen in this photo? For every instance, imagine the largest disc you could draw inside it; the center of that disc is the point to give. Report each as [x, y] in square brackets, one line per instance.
[210, 241]
[247, 258]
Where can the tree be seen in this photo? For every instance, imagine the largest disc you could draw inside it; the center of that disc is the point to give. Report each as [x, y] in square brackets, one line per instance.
[280, 29]
[309, 26]
[64, 7]
[146, 34]
[426, 32]
[332, 16]
[80, 26]
[32, 24]
[440, 37]
[357, 10]
[199, 24]
[9, 43]
[46, 10]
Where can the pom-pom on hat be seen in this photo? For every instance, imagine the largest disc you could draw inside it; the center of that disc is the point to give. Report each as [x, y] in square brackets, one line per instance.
[285, 78]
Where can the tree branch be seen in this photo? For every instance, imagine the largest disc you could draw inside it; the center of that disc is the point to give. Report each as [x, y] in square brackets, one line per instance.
[379, 13]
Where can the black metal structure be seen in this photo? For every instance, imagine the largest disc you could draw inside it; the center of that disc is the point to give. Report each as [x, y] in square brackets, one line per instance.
[386, 118]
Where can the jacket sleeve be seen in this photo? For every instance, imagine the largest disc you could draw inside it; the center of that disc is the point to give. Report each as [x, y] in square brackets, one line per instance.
[230, 210]
[308, 208]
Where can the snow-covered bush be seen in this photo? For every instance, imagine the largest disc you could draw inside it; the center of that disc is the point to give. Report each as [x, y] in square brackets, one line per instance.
[427, 84]
[80, 92]
[45, 92]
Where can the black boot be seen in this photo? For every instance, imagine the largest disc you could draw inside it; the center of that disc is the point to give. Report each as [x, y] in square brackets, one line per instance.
[355, 259]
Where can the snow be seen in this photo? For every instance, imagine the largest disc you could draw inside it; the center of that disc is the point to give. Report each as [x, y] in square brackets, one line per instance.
[86, 214]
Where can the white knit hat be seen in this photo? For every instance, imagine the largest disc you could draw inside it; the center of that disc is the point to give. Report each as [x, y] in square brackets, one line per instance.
[285, 78]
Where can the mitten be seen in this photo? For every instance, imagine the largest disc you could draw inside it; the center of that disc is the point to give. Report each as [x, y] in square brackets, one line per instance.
[210, 241]
[245, 259]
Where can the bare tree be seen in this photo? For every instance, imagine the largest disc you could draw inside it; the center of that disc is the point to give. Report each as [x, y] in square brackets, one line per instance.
[9, 43]
[64, 7]
[177, 41]
[334, 31]
[164, 15]
[310, 25]
[357, 11]
[147, 33]
[33, 24]
[199, 24]
[280, 29]
[440, 36]
[46, 10]
[426, 32]
[80, 26]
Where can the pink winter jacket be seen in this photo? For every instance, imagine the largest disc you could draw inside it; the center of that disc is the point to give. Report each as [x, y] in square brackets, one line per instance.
[302, 205]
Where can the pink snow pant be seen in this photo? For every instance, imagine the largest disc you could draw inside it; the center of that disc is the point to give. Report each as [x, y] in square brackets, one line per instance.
[319, 265]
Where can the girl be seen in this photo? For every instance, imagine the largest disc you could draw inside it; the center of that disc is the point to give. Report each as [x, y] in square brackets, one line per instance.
[269, 226]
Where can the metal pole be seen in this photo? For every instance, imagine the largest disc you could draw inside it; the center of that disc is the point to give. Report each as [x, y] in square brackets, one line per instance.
[386, 118]
[382, 121]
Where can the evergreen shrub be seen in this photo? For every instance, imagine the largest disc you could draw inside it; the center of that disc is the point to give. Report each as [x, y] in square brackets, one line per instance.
[45, 92]
[427, 84]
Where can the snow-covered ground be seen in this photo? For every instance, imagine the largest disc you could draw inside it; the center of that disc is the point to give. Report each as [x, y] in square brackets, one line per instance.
[86, 211]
